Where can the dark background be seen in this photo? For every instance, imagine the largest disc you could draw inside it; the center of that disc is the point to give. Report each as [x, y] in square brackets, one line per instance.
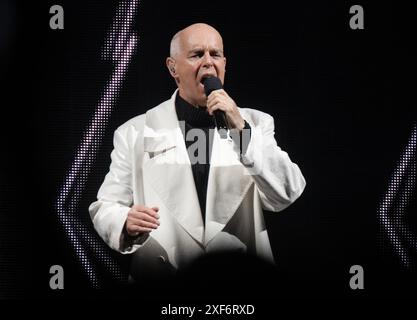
[344, 108]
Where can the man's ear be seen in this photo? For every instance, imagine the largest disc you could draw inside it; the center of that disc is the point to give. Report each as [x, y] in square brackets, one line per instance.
[170, 62]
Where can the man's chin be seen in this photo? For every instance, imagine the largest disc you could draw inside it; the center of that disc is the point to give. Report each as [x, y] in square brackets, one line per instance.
[202, 104]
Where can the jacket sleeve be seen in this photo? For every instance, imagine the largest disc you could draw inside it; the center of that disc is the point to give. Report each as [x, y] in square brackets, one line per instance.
[279, 180]
[115, 197]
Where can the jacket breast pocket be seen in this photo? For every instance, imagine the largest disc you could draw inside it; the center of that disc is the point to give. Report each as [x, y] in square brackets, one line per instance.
[165, 155]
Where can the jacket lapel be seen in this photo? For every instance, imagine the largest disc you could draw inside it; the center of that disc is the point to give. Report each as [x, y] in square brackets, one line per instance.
[228, 184]
[168, 170]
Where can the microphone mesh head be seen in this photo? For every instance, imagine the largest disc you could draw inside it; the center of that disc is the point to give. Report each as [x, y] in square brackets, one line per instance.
[211, 84]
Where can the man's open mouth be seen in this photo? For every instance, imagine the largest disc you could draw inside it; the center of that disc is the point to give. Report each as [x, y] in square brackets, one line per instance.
[205, 77]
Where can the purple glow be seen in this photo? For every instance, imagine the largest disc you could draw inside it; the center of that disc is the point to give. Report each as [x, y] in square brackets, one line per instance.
[393, 205]
[120, 44]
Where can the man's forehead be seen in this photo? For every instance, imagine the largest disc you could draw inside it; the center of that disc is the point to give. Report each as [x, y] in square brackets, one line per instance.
[197, 36]
[191, 44]
[201, 37]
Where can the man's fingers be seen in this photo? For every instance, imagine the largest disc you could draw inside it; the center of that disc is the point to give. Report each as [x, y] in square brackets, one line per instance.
[151, 212]
[146, 224]
[142, 216]
[143, 223]
[212, 100]
[139, 208]
[214, 108]
[217, 94]
[218, 103]
[135, 230]
[141, 219]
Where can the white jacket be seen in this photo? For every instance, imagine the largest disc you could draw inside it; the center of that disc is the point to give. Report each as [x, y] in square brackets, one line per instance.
[150, 166]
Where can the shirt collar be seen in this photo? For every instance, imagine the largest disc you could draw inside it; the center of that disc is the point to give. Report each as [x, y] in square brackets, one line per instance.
[194, 116]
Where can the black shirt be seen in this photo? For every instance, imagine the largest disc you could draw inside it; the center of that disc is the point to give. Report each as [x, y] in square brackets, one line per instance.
[197, 118]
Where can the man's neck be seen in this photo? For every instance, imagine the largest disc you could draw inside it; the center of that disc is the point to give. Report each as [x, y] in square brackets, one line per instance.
[195, 105]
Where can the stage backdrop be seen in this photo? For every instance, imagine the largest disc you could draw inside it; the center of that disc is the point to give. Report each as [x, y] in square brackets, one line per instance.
[343, 108]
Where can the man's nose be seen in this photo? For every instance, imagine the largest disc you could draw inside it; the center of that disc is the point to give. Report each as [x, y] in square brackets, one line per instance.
[207, 60]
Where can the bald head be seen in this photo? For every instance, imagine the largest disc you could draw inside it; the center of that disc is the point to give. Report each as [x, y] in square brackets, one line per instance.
[177, 41]
[196, 52]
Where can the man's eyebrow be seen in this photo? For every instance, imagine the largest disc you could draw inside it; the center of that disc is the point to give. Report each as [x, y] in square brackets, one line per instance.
[196, 50]
[217, 51]
[201, 49]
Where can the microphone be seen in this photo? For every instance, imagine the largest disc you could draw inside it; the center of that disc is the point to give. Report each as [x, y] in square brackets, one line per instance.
[211, 84]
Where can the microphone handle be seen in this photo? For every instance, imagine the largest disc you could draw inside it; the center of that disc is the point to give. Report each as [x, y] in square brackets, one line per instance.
[221, 123]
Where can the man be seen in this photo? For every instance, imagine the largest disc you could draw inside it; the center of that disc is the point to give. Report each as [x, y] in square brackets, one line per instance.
[170, 207]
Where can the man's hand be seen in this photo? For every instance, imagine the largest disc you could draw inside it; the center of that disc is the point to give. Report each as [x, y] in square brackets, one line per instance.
[141, 219]
[220, 100]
